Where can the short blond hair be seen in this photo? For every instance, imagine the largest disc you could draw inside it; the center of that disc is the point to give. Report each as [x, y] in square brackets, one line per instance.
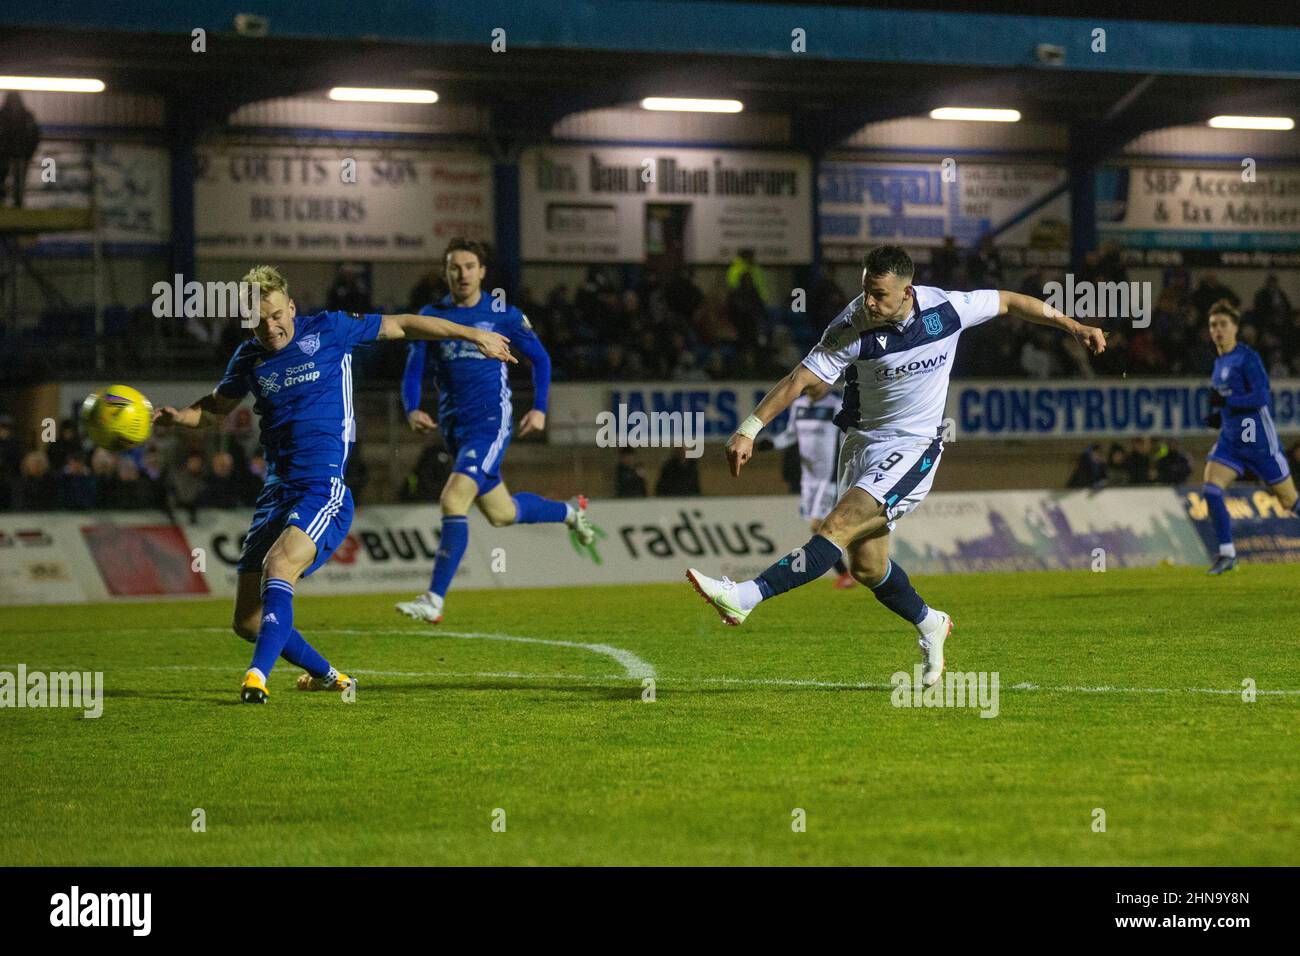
[268, 279]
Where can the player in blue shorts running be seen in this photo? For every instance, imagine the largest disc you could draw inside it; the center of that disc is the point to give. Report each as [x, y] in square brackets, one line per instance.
[476, 418]
[1248, 442]
[299, 369]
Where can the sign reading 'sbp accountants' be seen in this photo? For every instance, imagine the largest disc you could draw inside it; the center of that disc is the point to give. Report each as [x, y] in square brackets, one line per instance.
[298, 203]
[1189, 208]
[589, 204]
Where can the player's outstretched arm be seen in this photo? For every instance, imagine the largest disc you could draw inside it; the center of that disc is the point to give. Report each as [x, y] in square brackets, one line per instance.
[207, 411]
[740, 447]
[491, 344]
[1031, 309]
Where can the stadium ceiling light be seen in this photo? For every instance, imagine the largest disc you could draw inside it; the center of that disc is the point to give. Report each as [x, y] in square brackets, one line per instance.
[688, 105]
[368, 94]
[52, 84]
[975, 114]
[1252, 122]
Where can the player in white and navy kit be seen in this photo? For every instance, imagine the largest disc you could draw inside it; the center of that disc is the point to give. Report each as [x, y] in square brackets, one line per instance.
[811, 425]
[299, 369]
[895, 345]
[1248, 442]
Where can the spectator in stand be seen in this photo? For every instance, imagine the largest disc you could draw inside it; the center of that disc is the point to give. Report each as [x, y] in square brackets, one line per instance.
[424, 481]
[745, 309]
[187, 485]
[1116, 465]
[688, 368]
[681, 296]
[1138, 461]
[944, 264]
[984, 265]
[1278, 367]
[67, 444]
[1209, 291]
[221, 489]
[1272, 309]
[679, 477]
[356, 474]
[103, 465]
[36, 489]
[1090, 470]
[76, 485]
[350, 290]
[253, 477]
[1172, 466]
[10, 459]
[1036, 359]
[629, 477]
[131, 489]
[19, 139]
[431, 288]
[744, 266]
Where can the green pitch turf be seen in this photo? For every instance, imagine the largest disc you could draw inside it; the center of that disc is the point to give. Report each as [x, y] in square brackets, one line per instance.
[747, 725]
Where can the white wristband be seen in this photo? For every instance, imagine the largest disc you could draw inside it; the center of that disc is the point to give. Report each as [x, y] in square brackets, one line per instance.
[750, 427]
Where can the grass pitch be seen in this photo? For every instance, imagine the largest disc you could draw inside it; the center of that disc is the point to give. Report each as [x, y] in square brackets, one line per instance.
[1135, 708]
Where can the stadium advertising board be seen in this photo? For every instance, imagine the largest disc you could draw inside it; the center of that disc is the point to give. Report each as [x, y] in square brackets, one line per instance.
[1237, 207]
[1262, 530]
[1097, 409]
[861, 204]
[321, 202]
[957, 532]
[62, 558]
[976, 409]
[131, 192]
[594, 204]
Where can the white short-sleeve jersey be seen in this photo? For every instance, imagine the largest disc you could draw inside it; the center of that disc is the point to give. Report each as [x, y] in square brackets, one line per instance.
[896, 378]
[812, 425]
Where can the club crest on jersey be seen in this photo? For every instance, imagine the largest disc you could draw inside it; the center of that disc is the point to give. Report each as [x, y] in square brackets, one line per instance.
[933, 323]
[310, 343]
[268, 383]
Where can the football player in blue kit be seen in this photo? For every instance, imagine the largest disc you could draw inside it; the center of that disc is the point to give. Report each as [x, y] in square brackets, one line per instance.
[299, 368]
[476, 417]
[1248, 442]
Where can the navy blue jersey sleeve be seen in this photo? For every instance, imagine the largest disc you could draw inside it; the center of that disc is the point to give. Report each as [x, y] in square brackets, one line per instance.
[354, 328]
[234, 384]
[523, 336]
[413, 376]
[1255, 376]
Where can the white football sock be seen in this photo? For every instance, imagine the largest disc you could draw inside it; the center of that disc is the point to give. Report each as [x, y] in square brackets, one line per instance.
[1227, 550]
[570, 513]
[435, 599]
[331, 677]
[748, 596]
[929, 622]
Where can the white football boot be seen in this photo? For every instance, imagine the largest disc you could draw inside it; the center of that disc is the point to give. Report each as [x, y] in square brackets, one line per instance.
[932, 633]
[427, 607]
[579, 523]
[721, 594]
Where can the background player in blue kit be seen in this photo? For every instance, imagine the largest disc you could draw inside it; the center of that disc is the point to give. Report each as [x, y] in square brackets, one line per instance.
[476, 417]
[300, 370]
[1248, 442]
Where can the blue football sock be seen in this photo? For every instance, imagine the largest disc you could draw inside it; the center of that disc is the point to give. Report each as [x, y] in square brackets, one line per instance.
[799, 567]
[1218, 515]
[895, 592]
[534, 509]
[301, 654]
[451, 548]
[277, 624]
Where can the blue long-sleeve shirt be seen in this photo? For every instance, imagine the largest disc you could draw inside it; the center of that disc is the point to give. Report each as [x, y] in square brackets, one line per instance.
[1240, 377]
[472, 389]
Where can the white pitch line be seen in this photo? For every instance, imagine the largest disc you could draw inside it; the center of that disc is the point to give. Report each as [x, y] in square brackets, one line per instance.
[723, 681]
[634, 666]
